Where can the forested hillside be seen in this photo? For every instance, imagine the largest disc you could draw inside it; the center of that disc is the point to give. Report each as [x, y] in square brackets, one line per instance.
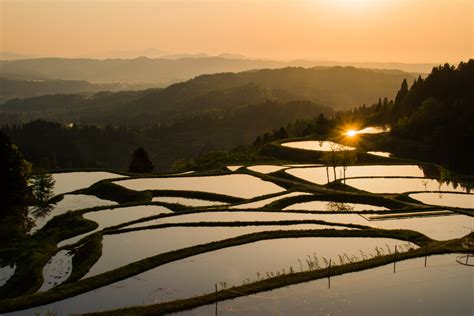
[336, 87]
[15, 88]
[55, 145]
[431, 120]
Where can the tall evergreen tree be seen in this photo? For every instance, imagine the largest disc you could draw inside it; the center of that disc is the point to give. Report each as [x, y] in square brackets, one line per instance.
[14, 191]
[402, 92]
[42, 189]
[140, 162]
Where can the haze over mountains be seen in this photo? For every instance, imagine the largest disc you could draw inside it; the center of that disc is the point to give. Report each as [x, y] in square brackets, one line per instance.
[339, 88]
[162, 71]
[20, 88]
[209, 112]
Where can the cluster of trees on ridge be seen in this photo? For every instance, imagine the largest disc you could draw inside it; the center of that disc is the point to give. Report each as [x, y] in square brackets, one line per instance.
[185, 120]
[55, 146]
[431, 120]
[339, 88]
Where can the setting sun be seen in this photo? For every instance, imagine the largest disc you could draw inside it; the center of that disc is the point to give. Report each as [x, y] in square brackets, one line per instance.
[351, 133]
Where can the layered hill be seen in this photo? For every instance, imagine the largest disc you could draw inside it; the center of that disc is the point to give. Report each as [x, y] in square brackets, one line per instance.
[338, 88]
[164, 70]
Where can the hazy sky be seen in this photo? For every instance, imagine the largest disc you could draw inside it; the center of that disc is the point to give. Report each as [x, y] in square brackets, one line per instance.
[344, 30]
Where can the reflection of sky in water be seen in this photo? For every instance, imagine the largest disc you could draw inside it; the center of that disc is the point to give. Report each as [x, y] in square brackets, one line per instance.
[186, 201]
[6, 273]
[444, 287]
[57, 270]
[198, 274]
[400, 185]
[319, 175]
[266, 168]
[317, 145]
[70, 202]
[240, 185]
[116, 216]
[380, 153]
[71, 181]
[446, 199]
[261, 203]
[332, 206]
[147, 243]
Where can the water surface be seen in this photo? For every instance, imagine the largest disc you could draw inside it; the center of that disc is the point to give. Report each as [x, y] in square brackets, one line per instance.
[401, 185]
[445, 199]
[380, 153]
[319, 175]
[264, 202]
[186, 201]
[57, 270]
[70, 202]
[233, 168]
[198, 274]
[333, 206]
[317, 145]
[111, 217]
[242, 216]
[444, 287]
[266, 168]
[71, 181]
[119, 250]
[436, 227]
[239, 185]
[6, 272]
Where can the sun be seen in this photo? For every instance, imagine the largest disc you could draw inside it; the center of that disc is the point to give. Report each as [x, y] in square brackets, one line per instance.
[351, 133]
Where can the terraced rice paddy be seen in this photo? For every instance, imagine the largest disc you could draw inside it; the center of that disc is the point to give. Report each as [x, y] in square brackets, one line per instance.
[413, 290]
[266, 168]
[445, 199]
[71, 181]
[6, 272]
[185, 251]
[317, 145]
[264, 202]
[333, 206]
[70, 202]
[187, 201]
[238, 185]
[401, 185]
[319, 175]
[198, 274]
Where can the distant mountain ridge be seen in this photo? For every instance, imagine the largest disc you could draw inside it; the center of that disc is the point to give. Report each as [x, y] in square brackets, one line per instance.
[17, 88]
[164, 70]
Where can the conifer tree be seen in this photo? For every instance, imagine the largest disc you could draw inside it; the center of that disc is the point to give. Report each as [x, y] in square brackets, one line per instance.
[140, 162]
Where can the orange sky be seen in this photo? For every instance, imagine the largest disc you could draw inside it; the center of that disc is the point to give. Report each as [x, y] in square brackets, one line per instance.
[343, 30]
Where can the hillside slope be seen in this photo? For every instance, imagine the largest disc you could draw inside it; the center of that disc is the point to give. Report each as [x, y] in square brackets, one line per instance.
[336, 87]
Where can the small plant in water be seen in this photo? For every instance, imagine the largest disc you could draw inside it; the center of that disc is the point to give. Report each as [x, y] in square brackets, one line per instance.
[301, 265]
[326, 262]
